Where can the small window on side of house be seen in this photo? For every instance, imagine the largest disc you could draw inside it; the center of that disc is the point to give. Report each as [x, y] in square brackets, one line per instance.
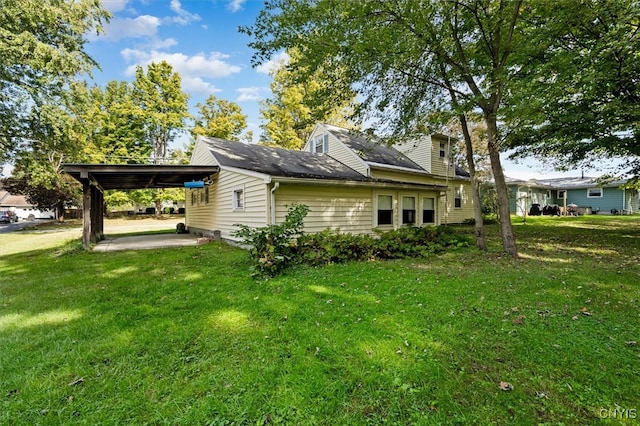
[443, 150]
[238, 198]
[206, 195]
[193, 198]
[385, 210]
[457, 200]
[561, 194]
[594, 193]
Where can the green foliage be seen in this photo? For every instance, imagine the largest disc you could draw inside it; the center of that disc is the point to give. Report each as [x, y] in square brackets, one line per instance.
[219, 118]
[576, 98]
[41, 50]
[300, 101]
[272, 246]
[163, 106]
[275, 247]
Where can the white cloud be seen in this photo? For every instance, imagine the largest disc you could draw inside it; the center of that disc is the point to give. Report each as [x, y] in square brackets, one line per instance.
[198, 85]
[211, 66]
[235, 5]
[114, 5]
[249, 94]
[142, 26]
[275, 63]
[194, 70]
[183, 17]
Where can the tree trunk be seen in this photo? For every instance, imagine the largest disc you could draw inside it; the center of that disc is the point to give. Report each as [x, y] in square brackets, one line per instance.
[475, 186]
[508, 239]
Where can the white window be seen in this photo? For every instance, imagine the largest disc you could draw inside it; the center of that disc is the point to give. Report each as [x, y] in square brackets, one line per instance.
[320, 144]
[457, 199]
[385, 210]
[238, 198]
[594, 193]
[408, 210]
[561, 194]
[443, 150]
[428, 210]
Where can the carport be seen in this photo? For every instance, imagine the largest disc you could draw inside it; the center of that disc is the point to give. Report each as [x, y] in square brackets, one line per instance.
[96, 178]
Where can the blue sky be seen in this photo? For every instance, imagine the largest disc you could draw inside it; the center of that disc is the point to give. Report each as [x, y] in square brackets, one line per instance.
[199, 38]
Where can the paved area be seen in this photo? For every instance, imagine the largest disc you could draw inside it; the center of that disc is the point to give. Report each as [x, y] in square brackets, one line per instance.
[142, 242]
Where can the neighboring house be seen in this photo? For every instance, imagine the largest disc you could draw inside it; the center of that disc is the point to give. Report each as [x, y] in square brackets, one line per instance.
[349, 182]
[573, 195]
[23, 209]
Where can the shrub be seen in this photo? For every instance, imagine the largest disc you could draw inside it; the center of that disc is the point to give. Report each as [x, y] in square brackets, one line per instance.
[271, 246]
[275, 247]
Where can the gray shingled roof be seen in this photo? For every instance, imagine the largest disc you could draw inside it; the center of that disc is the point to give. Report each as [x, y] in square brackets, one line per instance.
[279, 162]
[375, 151]
[372, 151]
[564, 182]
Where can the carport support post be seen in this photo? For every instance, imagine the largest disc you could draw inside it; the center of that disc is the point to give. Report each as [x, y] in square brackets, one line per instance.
[86, 214]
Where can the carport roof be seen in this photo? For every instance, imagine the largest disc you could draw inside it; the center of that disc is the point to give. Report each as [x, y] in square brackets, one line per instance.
[138, 176]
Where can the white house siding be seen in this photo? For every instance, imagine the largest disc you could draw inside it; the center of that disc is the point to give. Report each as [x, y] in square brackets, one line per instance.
[202, 156]
[339, 151]
[420, 151]
[337, 207]
[219, 213]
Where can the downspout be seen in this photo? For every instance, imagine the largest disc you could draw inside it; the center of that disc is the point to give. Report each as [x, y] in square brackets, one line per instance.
[273, 202]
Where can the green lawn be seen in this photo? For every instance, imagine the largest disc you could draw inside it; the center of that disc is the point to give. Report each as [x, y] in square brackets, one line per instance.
[185, 336]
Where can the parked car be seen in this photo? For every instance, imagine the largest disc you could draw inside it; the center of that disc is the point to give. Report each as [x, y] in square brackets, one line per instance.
[8, 216]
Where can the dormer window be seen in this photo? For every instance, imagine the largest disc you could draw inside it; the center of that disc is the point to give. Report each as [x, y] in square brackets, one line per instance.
[320, 144]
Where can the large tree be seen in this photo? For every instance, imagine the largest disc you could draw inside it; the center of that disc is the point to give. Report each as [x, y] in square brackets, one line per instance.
[403, 56]
[577, 97]
[219, 118]
[41, 48]
[163, 106]
[300, 100]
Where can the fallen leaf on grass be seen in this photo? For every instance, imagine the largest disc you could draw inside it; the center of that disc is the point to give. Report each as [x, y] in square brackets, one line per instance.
[519, 320]
[506, 386]
[77, 381]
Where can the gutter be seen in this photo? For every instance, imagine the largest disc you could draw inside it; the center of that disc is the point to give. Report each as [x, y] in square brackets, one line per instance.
[352, 183]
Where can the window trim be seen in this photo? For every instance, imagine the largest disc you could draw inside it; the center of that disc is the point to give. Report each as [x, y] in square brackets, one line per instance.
[457, 198]
[443, 150]
[376, 210]
[422, 209]
[561, 194]
[415, 210]
[595, 196]
[238, 203]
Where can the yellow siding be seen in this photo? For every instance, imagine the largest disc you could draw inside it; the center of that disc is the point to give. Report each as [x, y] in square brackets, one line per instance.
[420, 151]
[438, 164]
[219, 213]
[406, 177]
[452, 214]
[344, 208]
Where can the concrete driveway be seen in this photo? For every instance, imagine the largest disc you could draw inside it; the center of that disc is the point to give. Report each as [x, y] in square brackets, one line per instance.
[142, 242]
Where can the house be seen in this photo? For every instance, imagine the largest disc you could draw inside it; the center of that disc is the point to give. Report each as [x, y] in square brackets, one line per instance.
[350, 183]
[573, 195]
[23, 208]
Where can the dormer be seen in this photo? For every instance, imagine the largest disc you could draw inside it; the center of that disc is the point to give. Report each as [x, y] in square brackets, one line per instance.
[418, 150]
